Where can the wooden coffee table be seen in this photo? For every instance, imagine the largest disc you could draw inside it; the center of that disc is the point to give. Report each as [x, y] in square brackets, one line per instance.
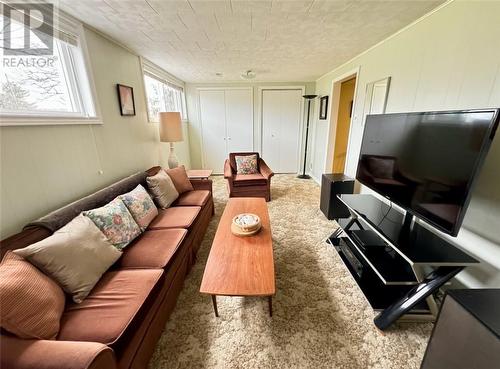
[241, 266]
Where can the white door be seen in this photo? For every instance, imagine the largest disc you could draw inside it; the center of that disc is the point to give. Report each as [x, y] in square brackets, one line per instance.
[281, 119]
[239, 120]
[213, 123]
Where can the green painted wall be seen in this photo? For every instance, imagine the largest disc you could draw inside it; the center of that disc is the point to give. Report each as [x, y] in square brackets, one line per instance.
[45, 167]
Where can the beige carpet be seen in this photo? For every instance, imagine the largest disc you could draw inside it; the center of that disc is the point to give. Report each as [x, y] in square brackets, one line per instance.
[321, 319]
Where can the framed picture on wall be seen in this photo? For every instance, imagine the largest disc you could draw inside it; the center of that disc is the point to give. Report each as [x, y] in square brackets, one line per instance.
[126, 99]
[323, 107]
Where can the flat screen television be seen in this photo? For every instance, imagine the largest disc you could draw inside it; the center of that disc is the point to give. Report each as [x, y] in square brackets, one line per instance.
[427, 162]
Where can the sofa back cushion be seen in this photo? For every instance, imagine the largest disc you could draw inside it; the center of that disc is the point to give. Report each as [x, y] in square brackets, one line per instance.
[140, 205]
[60, 217]
[163, 189]
[31, 304]
[76, 256]
[116, 222]
[180, 179]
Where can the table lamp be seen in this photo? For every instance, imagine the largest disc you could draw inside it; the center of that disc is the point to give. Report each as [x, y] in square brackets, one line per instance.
[171, 131]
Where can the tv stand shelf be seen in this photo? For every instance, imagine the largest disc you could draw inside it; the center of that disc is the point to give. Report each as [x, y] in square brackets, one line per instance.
[397, 262]
[420, 246]
[388, 265]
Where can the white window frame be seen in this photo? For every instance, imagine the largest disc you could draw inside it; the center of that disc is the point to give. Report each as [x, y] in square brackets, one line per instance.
[153, 71]
[87, 97]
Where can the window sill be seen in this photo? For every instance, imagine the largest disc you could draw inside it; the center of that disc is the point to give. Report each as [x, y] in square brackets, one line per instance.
[6, 121]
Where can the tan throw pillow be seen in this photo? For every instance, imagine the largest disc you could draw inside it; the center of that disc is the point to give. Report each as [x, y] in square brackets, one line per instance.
[163, 189]
[31, 303]
[246, 164]
[180, 179]
[76, 256]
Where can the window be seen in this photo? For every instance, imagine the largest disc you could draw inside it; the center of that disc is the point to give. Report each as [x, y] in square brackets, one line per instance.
[43, 85]
[162, 95]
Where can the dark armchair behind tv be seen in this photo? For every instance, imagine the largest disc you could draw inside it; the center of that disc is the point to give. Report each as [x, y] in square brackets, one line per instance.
[427, 162]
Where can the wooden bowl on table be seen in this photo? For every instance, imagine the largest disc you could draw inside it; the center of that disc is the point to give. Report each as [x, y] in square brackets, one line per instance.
[245, 224]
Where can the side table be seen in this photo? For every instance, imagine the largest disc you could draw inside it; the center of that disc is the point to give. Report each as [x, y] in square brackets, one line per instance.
[199, 173]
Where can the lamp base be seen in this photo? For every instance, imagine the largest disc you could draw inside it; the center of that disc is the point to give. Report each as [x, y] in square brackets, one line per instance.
[173, 162]
[304, 176]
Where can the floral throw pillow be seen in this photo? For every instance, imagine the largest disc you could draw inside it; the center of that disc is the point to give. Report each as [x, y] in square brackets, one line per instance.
[116, 222]
[246, 164]
[140, 205]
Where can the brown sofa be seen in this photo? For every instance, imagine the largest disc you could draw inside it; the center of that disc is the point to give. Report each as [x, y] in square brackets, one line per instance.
[119, 323]
[248, 185]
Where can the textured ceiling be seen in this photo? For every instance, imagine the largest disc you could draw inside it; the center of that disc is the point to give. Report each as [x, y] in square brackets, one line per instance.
[290, 40]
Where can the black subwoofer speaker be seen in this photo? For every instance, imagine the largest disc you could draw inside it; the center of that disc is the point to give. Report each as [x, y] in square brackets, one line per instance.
[331, 186]
[467, 332]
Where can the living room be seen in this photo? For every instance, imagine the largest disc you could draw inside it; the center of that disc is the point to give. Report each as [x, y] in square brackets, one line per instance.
[85, 120]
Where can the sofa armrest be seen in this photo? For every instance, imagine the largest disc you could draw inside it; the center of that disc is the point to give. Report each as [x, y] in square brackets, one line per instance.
[47, 354]
[228, 173]
[202, 184]
[264, 169]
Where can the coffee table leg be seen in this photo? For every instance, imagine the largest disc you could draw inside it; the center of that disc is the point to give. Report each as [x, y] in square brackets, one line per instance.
[270, 300]
[214, 301]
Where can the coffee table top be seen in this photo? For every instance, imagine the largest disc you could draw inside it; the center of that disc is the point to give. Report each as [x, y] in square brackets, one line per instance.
[199, 173]
[241, 266]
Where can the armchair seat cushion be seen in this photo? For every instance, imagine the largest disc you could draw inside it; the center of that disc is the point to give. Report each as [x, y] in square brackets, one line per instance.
[175, 217]
[193, 198]
[241, 180]
[113, 309]
[154, 249]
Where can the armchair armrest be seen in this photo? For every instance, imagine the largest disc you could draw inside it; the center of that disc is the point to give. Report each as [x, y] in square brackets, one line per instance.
[265, 170]
[228, 172]
[47, 354]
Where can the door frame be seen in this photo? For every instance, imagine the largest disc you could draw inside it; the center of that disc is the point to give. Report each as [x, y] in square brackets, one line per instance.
[198, 99]
[332, 122]
[260, 122]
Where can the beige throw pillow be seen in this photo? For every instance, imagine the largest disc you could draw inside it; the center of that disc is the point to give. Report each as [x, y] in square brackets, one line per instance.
[163, 189]
[75, 256]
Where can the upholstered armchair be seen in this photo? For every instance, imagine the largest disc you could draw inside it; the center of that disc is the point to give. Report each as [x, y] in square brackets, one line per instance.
[248, 185]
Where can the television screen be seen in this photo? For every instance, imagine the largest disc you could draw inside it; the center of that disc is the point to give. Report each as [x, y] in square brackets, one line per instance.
[427, 162]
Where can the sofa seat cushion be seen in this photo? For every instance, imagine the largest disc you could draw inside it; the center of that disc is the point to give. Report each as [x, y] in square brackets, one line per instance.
[175, 217]
[193, 198]
[116, 305]
[241, 180]
[154, 249]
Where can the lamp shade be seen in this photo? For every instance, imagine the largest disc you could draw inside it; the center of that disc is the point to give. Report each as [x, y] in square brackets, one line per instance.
[170, 127]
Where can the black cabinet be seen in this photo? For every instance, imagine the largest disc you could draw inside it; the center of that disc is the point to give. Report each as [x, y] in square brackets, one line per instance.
[467, 332]
[331, 186]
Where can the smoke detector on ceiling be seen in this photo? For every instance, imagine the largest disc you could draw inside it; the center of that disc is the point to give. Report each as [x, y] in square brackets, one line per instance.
[249, 74]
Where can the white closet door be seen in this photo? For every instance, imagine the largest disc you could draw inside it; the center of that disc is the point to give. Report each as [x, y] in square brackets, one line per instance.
[213, 123]
[281, 118]
[239, 120]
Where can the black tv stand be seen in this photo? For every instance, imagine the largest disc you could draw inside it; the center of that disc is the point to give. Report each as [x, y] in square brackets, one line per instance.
[397, 263]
